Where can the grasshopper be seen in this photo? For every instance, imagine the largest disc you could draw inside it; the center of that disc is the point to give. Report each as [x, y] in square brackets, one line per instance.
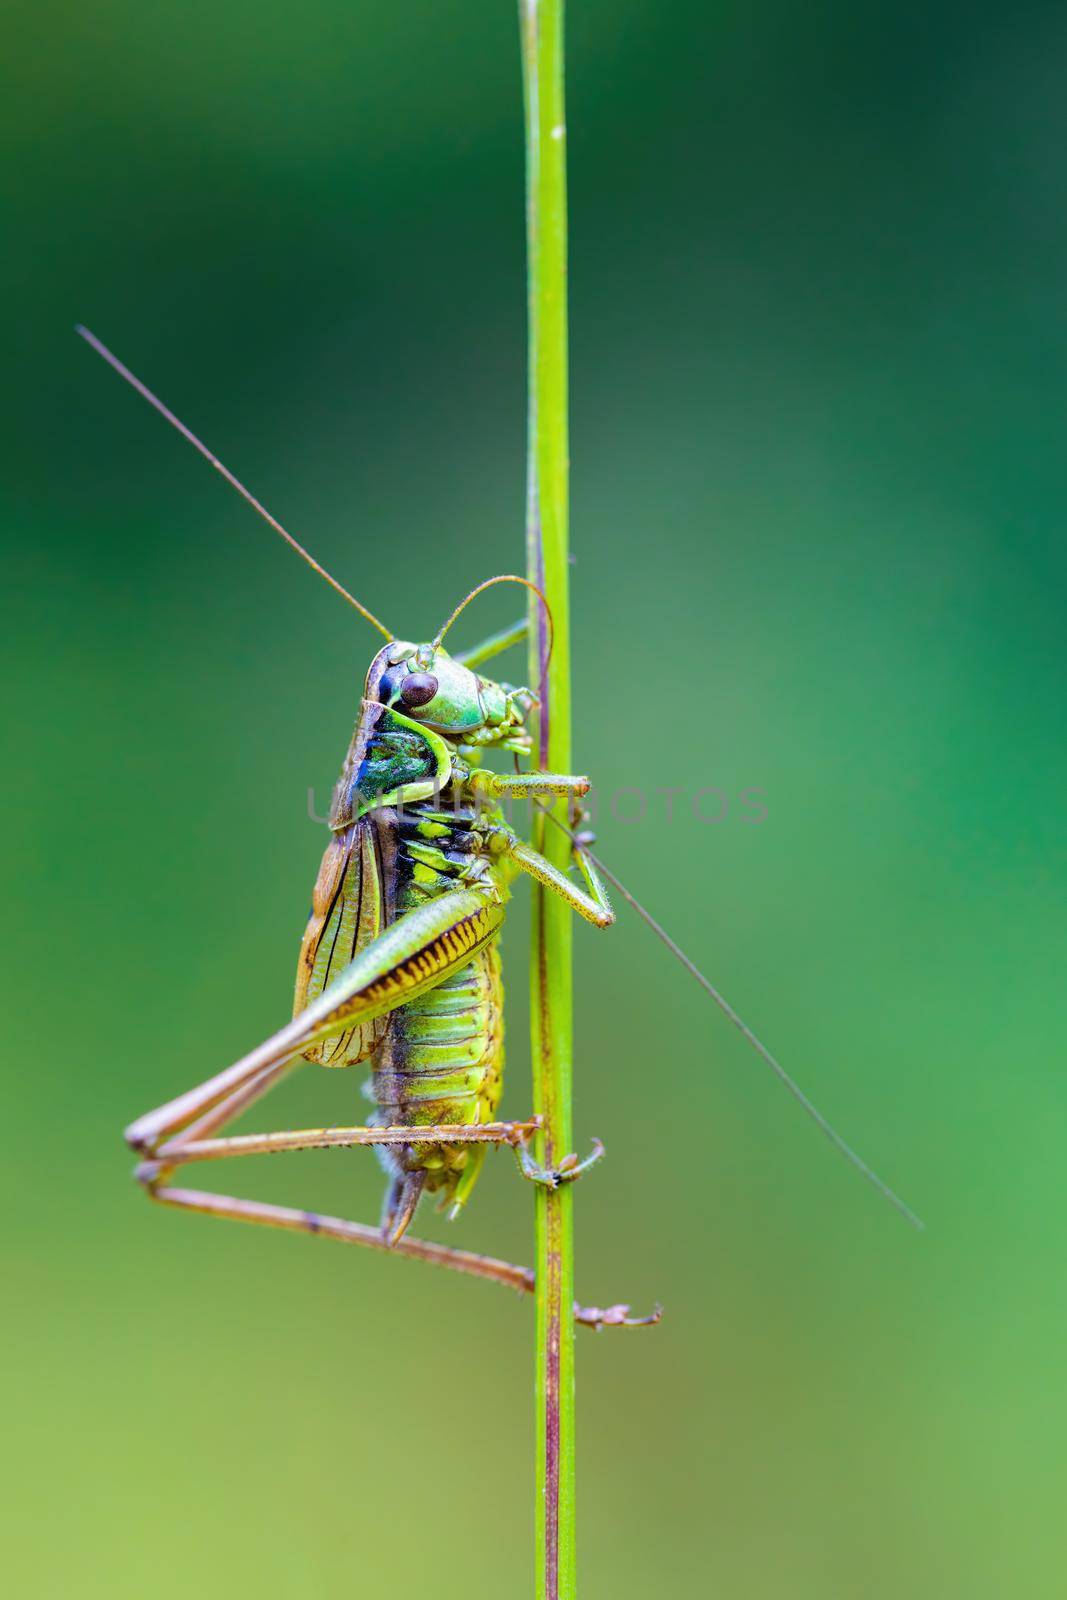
[398, 965]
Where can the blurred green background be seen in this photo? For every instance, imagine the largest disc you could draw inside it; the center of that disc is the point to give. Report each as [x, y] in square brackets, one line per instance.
[819, 313]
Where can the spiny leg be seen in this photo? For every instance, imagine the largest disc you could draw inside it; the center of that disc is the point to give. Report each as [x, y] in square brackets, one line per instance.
[595, 907]
[404, 1193]
[234, 1104]
[311, 1222]
[175, 1152]
[525, 785]
[217, 1099]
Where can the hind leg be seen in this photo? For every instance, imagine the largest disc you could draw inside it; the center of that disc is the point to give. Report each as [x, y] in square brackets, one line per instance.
[326, 1227]
[412, 955]
[405, 1190]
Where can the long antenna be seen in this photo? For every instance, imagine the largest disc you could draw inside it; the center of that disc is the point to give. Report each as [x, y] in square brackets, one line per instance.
[501, 577]
[493, 646]
[761, 1050]
[224, 471]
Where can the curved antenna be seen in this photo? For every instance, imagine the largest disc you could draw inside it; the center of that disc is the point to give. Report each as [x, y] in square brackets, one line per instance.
[235, 483]
[501, 577]
[494, 645]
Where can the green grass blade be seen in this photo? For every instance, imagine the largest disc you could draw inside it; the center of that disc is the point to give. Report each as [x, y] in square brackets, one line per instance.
[550, 974]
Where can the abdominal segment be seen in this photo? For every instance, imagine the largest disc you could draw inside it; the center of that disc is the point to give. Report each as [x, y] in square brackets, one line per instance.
[441, 1061]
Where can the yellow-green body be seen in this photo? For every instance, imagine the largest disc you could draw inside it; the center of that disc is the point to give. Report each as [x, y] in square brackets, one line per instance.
[398, 962]
[406, 833]
[398, 966]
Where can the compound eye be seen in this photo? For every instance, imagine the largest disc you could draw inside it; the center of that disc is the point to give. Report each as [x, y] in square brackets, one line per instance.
[418, 689]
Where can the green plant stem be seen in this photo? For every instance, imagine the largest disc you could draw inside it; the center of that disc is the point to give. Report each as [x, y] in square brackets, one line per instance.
[551, 1000]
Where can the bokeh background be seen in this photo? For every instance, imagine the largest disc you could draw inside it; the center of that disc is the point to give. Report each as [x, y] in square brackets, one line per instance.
[819, 308]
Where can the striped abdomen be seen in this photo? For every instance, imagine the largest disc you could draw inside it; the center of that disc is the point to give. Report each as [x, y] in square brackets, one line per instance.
[441, 1060]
